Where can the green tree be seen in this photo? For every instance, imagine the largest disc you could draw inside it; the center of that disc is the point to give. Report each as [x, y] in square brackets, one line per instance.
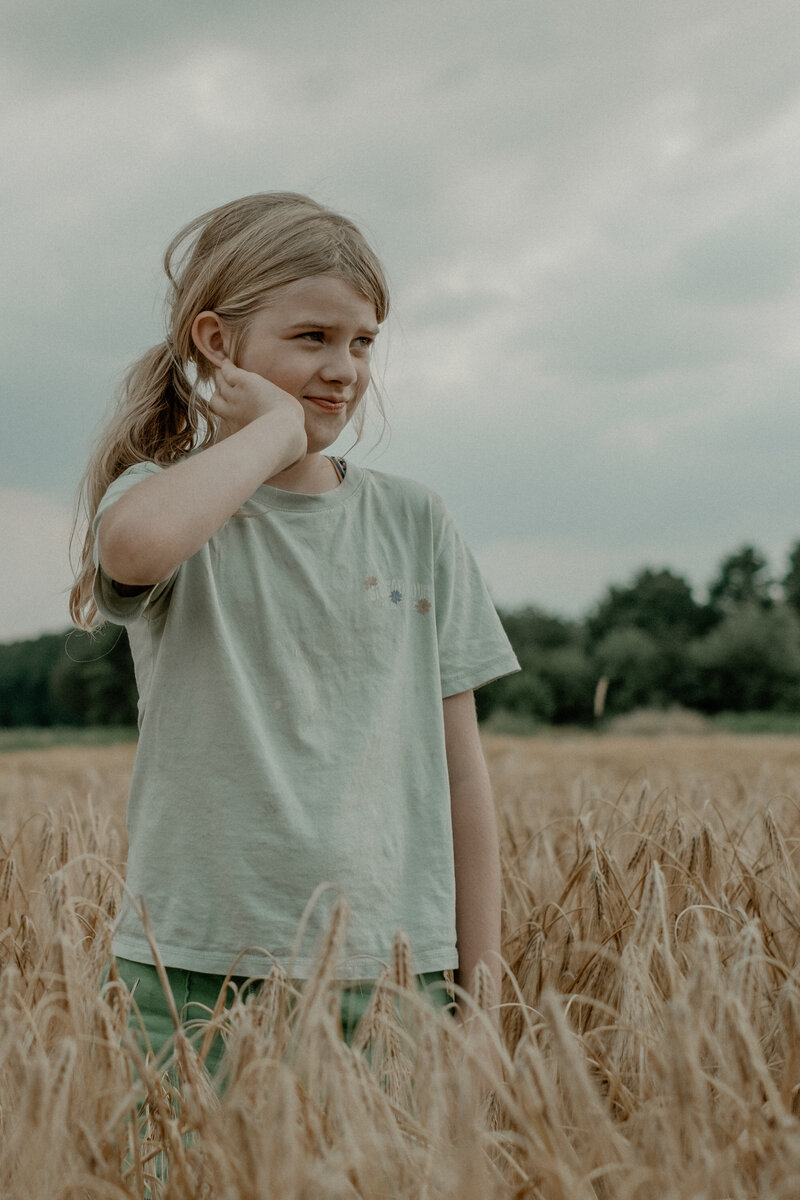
[742, 578]
[631, 660]
[660, 603]
[750, 662]
[25, 670]
[571, 677]
[556, 681]
[531, 626]
[94, 679]
[526, 693]
[791, 580]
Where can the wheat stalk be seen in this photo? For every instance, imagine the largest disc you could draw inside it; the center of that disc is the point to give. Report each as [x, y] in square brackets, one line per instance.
[650, 1007]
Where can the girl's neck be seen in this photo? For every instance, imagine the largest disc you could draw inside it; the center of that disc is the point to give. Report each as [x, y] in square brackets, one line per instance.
[312, 475]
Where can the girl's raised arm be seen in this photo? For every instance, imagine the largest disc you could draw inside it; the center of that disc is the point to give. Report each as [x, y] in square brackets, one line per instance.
[165, 519]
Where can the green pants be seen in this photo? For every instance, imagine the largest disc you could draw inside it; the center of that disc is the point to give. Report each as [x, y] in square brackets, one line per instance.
[196, 995]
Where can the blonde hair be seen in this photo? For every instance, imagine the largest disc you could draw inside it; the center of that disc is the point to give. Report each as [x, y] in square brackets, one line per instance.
[226, 261]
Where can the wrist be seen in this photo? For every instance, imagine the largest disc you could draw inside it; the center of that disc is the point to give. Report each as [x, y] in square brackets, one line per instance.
[283, 436]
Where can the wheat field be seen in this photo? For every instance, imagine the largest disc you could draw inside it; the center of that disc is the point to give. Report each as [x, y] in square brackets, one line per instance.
[649, 1040]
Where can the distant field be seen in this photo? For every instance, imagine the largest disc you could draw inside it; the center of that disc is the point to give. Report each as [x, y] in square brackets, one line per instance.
[650, 1023]
[650, 722]
[647, 722]
[65, 735]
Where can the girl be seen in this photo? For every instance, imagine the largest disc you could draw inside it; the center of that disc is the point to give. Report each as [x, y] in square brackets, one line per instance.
[306, 633]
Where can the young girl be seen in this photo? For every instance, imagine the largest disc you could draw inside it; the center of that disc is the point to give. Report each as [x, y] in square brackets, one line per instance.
[306, 633]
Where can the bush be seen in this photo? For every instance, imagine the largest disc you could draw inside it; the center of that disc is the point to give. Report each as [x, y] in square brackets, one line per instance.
[571, 677]
[750, 661]
[632, 662]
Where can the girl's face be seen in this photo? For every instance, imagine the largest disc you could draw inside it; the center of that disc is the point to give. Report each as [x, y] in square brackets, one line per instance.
[314, 341]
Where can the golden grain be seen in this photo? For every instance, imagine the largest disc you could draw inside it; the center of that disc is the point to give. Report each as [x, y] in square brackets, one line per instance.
[650, 1010]
[7, 878]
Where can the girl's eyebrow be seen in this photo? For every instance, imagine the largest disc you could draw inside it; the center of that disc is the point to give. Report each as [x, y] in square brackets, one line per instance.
[325, 326]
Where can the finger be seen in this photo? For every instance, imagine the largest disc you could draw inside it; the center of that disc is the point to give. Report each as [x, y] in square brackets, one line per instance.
[229, 371]
[223, 380]
[217, 403]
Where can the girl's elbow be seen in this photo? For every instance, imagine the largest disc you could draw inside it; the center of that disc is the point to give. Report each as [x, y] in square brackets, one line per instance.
[127, 554]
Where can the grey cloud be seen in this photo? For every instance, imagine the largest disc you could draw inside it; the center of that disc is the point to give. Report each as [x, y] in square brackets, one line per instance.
[625, 330]
[587, 213]
[65, 43]
[754, 257]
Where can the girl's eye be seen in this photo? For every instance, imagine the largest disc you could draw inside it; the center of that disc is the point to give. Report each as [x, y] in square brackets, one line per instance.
[364, 343]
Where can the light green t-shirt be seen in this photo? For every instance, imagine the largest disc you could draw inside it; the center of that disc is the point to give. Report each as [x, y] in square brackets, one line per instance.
[290, 677]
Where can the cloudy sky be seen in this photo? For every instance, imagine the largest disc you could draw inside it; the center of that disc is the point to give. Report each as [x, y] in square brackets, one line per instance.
[589, 216]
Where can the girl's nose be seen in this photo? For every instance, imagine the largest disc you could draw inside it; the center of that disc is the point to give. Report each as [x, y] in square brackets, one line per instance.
[339, 366]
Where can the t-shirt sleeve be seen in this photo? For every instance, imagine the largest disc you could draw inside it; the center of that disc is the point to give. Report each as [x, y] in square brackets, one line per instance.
[123, 610]
[473, 646]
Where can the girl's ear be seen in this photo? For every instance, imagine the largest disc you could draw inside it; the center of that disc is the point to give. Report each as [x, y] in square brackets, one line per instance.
[211, 337]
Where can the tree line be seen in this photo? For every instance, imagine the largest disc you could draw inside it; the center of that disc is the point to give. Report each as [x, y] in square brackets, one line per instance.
[649, 643]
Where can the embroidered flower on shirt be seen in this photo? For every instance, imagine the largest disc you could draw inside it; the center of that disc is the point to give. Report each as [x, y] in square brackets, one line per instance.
[395, 596]
[370, 582]
[423, 606]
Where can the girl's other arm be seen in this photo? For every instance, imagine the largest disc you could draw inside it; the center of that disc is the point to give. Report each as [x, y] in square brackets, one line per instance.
[475, 843]
[167, 517]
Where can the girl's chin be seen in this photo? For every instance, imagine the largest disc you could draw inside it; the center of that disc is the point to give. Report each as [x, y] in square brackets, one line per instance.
[320, 439]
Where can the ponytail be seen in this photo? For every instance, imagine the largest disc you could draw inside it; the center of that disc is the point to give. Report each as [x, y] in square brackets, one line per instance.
[158, 419]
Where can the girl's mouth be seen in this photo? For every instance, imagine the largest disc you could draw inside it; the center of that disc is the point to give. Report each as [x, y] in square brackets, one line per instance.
[328, 405]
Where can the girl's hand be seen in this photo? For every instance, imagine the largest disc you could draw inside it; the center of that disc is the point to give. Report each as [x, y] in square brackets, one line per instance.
[241, 397]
